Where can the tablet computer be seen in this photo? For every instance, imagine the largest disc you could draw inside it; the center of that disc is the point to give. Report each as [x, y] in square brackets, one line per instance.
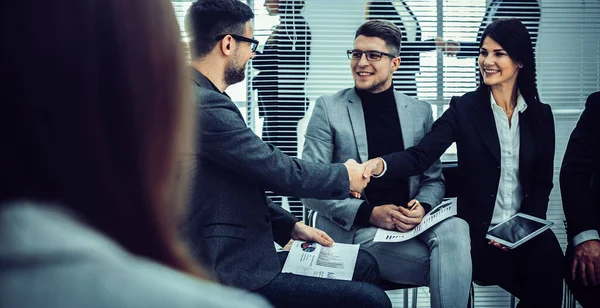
[518, 229]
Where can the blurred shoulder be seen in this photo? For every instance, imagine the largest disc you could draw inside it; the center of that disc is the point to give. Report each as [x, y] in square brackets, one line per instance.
[50, 258]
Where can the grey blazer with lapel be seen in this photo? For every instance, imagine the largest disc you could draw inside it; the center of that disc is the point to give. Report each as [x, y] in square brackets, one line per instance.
[231, 224]
[336, 132]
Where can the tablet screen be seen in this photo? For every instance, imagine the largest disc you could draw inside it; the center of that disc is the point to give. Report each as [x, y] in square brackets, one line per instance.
[515, 229]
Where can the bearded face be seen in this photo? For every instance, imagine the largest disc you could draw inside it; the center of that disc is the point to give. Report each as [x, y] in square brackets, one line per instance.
[235, 71]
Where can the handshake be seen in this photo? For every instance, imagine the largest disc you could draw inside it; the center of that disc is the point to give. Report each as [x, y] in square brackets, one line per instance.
[448, 47]
[360, 174]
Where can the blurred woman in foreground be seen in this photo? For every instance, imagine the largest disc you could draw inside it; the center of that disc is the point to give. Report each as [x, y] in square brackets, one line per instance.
[93, 121]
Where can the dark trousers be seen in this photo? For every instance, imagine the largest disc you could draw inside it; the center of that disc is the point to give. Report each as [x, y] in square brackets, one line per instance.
[288, 290]
[533, 272]
[586, 296]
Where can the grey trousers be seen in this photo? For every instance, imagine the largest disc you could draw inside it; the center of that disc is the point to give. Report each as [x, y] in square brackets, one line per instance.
[439, 258]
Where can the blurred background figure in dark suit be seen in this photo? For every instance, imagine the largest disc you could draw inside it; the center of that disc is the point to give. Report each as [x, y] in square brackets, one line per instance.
[283, 68]
[580, 189]
[527, 11]
[398, 12]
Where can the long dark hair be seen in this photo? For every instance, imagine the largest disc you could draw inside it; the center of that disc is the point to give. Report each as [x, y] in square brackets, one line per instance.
[94, 112]
[513, 36]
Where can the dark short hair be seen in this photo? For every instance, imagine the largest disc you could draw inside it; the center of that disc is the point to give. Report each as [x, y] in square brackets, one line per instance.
[206, 19]
[384, 30]
[512, 35]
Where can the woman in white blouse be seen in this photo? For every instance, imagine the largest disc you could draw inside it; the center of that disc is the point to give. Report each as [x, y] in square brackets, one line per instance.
[505, 144]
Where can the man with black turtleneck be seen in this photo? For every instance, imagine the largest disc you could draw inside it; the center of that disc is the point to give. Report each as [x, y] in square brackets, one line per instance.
[367, 121]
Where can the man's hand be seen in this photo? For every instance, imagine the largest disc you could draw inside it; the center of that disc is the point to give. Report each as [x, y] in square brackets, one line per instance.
[449, 47]
[310, 234]
[498, 245]
[383, 216]
[373, 166]
[409, 217]
[357, 181]
[586, 263]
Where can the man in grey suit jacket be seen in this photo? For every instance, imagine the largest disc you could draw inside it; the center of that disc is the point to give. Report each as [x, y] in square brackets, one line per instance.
[232, 224]
[370, 120]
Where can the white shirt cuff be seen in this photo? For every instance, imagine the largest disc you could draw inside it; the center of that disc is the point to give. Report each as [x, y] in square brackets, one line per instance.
[585, 236]
[382, 172]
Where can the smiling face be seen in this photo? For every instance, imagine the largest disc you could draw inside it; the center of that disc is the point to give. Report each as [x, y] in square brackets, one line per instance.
[496, 66]
[272, 7]
[373, 76]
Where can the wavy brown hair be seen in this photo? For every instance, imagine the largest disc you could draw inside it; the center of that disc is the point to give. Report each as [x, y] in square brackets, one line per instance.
[95, 113]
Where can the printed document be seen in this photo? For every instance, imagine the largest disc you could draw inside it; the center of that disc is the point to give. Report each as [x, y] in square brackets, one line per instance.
[315, 260]
[444, 210]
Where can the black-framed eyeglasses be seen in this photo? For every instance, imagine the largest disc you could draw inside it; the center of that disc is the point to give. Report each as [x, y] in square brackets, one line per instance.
[372, 55]
[253, 43]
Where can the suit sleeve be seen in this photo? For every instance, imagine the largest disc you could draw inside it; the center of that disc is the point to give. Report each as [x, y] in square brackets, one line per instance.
[539, 196]
[419, 46]
[417, 159]
[225, 140]
[431, 182]
[319, 147]
[282, 223]
[580, 162]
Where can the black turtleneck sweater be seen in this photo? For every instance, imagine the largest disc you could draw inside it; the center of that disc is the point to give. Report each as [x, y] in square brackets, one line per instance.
[384, 136]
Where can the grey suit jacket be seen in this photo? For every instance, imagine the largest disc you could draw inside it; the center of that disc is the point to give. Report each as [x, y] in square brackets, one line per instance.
[231, 223]
[50, 258]
[336, 132]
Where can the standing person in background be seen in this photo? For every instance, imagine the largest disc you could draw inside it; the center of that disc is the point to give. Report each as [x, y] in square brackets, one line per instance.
[580, 189]
[527, 11]
[232, 223]
[505, 145]
[401, 15]
[95, 113]
[283, 68]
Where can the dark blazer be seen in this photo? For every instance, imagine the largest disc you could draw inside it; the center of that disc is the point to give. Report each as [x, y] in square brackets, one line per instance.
[410, 52]
[469, 122]
[579, 175]
[528, 11]
[231, 224]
